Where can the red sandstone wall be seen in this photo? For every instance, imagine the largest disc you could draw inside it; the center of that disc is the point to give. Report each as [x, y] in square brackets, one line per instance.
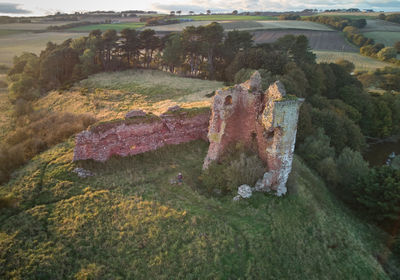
[125, 139]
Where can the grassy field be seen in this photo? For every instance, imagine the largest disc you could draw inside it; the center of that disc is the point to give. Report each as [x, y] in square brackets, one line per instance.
[128, 222]
[360, 15]
[16, 44]
[362, 63]
[104, 27]
[111, 95]
[249, 25]
[381, 25]
[318, 40]
[32, 26]
[386, 38]
[228, 17]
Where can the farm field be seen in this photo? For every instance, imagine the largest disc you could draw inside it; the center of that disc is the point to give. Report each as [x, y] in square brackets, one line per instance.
[32, 26]
[104, 27]
[380, 25]
[362, 63]
[386, 38]
[359, 15]
[248, 25]
[318, 40]
[16, 44]
[228, 17]
[111, 95]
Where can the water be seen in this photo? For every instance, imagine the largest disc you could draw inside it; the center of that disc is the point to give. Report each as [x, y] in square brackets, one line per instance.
[377, 154]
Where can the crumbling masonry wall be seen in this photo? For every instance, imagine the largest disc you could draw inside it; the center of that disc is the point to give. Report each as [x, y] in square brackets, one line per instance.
[265, 121]
[140, 134]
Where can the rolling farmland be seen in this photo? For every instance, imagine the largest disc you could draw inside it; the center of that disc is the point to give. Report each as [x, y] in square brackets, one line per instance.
[16, 44]
[362, 63]
[248, 25]
[382, 31]
[319, 40]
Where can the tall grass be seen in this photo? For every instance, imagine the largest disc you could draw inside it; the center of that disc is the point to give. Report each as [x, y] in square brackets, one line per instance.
[128, 222]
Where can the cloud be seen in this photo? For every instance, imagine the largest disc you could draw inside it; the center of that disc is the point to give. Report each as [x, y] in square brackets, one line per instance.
[12, 8]
[273, 5]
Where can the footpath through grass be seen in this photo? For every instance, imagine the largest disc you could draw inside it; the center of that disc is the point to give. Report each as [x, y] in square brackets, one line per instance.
[128, 222]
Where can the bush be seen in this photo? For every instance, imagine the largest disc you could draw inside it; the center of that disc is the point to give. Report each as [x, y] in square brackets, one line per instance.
[378, 194]
[351, 167]
[236, 168]
[387, 53]
[41, 132]
[316, 148]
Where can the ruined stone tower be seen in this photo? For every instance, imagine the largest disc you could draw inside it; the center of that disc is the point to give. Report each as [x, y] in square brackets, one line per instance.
[266, 121]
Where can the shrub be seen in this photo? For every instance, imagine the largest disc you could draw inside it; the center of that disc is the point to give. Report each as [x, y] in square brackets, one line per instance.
[387, 53]
[347, 65]
[236, 168]
[351, 167]
[41, 132]
[316, 148]
[378, 194]
[329, 171]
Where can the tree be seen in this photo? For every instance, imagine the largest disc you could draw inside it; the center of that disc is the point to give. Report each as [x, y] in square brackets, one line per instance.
[109, 40]
[387, 53]
[212, 35]
[235, 12]
[172, 55]
[172, 13]
[397, 46]
[208, 12]
[179, 12]
[352, 167]
[347, 65]
[316, 148]
[149, 42]
[191, 13]
[131, 44]
[378, 194]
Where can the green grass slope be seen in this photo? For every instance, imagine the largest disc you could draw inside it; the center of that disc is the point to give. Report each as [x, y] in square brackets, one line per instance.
[128, 222]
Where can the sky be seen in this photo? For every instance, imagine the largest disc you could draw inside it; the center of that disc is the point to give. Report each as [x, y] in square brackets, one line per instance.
[47, 7]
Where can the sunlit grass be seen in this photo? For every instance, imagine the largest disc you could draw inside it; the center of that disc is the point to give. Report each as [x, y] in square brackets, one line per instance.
[128, 222]
[111, 95]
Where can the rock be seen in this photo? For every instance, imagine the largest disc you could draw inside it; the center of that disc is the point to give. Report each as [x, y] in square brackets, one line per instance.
[83, 173]
[135, 113]
[244, 191]
[174, 108]
[236, 198]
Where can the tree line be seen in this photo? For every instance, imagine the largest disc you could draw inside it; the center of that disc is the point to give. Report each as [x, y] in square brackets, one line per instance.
[351, 29]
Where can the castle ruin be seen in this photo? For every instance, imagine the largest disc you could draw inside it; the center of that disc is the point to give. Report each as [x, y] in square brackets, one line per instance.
[264, 121]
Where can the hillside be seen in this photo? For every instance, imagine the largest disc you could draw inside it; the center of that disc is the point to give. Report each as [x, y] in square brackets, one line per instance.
[128, 222]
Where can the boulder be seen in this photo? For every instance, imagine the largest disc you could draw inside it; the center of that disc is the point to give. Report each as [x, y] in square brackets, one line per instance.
[83, 173]
[135, 113]
[245, 191]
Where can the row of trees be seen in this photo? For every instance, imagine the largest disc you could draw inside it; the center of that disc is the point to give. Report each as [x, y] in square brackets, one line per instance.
[351, 29]
[201, 51]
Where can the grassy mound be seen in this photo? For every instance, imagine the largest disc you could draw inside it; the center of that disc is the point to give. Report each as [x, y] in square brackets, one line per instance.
[128, 222]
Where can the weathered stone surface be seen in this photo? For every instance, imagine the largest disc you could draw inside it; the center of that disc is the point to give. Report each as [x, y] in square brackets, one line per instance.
[83, 173]
[130, 138]
[135, 113]
[266, 121]
[236, 198]
[245, 191]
